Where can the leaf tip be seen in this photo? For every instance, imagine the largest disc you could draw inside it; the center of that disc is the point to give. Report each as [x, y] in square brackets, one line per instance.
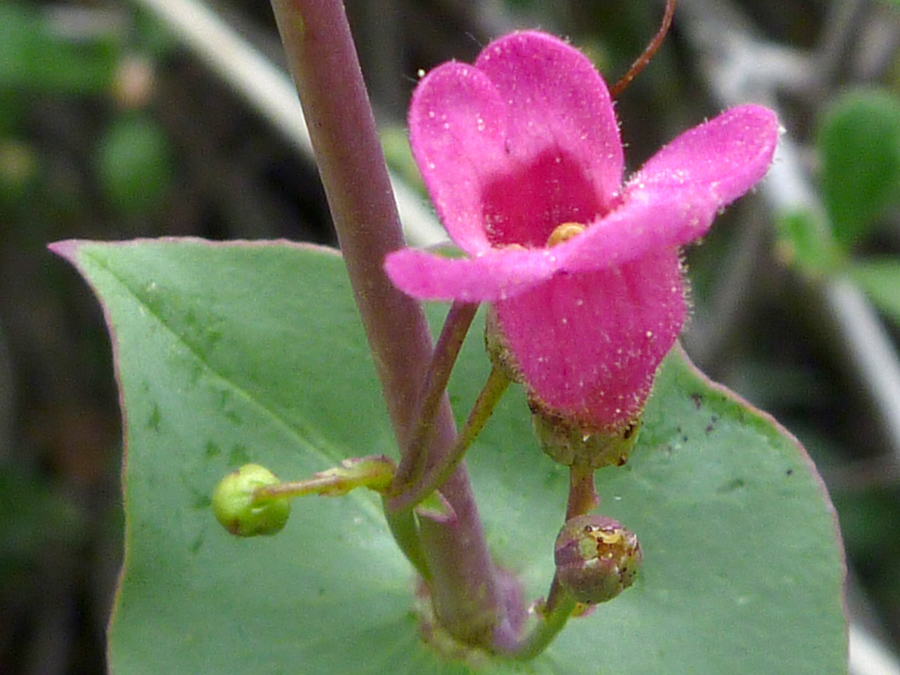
[68, 248]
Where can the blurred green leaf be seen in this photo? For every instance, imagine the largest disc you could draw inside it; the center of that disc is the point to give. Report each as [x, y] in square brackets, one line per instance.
[153, 37]
[235, 353]
[19, 170]
[134, 163]
[395, 144]
[804, 241]
[35, 58]
[880, 279]
[859, 147]
[13, 110]
[866, 516]
[776, 385]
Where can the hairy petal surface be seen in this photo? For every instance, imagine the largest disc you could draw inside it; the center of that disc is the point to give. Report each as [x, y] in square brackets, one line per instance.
[456, 132]
[557, 99]
[723, 157]
[497, 275]
[588, 345]
[675, 197]
[644, 223]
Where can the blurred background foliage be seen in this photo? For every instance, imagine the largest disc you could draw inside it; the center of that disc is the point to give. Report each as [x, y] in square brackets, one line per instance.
[111, 129]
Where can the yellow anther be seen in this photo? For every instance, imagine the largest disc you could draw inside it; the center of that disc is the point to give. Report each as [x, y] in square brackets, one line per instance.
[563, 233]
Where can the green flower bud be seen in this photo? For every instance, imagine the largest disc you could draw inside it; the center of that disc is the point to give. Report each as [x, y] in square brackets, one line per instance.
[596, 558]
[243, 515]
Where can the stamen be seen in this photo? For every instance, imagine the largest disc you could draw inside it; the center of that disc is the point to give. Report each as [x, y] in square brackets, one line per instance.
[563, 233]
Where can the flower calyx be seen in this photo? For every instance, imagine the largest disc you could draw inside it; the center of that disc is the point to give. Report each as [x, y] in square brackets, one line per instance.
[568, 442]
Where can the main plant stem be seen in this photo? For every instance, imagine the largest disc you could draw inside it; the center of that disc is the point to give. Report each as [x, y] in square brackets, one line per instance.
[324, 65]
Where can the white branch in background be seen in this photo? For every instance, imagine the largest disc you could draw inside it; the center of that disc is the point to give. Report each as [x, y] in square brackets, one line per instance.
[270, 92]
[869, 656]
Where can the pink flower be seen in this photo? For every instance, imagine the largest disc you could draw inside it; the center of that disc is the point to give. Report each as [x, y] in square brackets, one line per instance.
[525, 141]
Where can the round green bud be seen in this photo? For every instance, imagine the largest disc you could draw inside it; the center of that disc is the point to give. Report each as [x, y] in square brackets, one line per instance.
[241, 514]
[596, 558]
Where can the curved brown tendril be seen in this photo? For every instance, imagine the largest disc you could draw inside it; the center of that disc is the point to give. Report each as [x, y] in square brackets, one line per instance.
[648, 53]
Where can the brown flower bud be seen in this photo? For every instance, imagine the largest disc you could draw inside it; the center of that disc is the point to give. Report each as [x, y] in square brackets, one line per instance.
[596, 558]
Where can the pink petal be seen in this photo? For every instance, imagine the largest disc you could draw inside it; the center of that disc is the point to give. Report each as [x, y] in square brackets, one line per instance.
[557, 100]
[675, 197]
[724, 157]
[589, 345]
[501, 172]
[496, 275]
[526, 201]
[646, 221]
[456, 132]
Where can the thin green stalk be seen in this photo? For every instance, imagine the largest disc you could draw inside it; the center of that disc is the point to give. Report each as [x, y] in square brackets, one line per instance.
[374, 472]
[582, 495]
[544, 633]
[416, 457]
[497, 383]
[559, 605]
[552, 620]
[406, 532]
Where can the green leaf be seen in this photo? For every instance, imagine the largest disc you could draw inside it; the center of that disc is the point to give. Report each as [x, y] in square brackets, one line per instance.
[806, 242]
[32, 519]
[397, 154]
[232, 353]
[859, 146]
[35, 57]
[880, 279]
[134, 163]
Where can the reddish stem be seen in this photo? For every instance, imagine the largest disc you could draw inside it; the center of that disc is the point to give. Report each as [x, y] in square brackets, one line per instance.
[325, 68]
[497, 383]
[582, 495]
[645, 58]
